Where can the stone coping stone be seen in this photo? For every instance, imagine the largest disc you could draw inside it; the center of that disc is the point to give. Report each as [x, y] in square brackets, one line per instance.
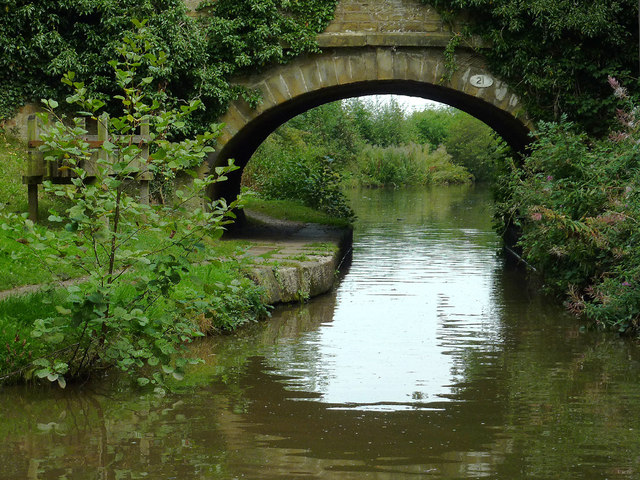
[294, 261]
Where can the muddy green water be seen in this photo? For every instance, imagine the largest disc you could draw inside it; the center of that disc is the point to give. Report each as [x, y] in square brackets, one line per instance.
[430, 360]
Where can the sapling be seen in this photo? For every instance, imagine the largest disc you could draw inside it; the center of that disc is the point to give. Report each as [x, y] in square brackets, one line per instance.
[132, 253]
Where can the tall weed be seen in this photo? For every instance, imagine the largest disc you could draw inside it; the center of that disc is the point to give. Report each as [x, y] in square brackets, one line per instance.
[577, 203]
[409, 164]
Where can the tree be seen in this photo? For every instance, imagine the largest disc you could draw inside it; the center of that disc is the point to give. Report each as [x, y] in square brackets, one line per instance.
[379, 123]
[133, 254]
[474, 145]
[431, 126]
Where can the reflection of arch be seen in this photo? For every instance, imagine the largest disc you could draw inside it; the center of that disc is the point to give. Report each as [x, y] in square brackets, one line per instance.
[349, 72]
[384, 444]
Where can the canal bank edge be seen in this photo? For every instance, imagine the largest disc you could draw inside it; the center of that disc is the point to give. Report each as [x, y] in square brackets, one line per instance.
[291, 261]
[294, 261]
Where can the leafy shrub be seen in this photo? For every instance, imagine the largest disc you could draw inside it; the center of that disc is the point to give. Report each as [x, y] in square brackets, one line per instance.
[286, 168]
[43, 39]
[220, 297]
[577, 202]
[379, 123]
[471, 143]
[408, 165]
[475, 146]
[97, 325]
[556, 53]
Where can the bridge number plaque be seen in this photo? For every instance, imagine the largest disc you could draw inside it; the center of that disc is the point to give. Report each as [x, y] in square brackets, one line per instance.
[481, 81]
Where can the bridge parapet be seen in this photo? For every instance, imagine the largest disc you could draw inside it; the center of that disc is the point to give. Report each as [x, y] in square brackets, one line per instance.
[385, 16]
[387, 23]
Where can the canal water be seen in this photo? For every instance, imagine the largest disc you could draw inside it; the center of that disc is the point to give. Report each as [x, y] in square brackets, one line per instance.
[431, 359]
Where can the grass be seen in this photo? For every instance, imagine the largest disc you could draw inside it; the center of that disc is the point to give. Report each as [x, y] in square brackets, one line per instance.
[321, 248]
[13, 155]
[407, 165]
[18, 266]
[17, 316]
[217, 272]
[13, 193]
[293, 211]
[269, 254]
[298, 258]
[236, 301]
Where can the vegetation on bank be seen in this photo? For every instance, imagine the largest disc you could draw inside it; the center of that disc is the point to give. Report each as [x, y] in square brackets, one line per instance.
[151, 281]
[576, 203]
[574, 199]
[291, 210]
[572, 202]
[42, 40]
[408, 165]
[228, 300]
[556, 54]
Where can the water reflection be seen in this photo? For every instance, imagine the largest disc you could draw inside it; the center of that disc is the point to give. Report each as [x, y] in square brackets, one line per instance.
[419, 290]
[430, 361]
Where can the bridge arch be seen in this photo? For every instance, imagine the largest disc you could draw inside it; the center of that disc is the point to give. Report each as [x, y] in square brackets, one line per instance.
[363, 58]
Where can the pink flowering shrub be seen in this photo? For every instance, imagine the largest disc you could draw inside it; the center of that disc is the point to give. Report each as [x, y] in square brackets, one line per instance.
[576, 202]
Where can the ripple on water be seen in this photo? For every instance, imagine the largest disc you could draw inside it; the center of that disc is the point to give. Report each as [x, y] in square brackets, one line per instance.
[416, 298]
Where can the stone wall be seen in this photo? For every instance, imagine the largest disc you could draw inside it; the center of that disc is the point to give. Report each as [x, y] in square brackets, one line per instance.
[385, 16]
[18, 125]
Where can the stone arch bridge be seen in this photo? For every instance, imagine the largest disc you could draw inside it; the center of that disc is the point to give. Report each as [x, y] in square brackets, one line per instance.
[371, 47]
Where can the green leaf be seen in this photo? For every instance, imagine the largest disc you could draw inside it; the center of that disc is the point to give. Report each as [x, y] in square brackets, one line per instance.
[62, 311]
[96, 298]
[55, 338]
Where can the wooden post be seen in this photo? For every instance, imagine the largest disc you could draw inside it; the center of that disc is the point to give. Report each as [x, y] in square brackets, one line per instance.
[32, 195]
[35, 166]
[102, 136]
[145, 175]
[144, 192]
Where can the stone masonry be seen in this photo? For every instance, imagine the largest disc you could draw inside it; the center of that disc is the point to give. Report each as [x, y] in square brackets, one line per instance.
[385, 17]
[374, 46]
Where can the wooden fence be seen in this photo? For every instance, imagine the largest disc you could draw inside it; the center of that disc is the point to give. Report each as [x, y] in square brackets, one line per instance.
[39, 170]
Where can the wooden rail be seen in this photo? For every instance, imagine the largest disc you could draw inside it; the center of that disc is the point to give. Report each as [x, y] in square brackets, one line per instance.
[40, 170]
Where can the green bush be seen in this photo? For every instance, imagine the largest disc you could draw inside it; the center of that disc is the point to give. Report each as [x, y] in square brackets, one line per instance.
[556, 54]
[43, 39]
[97, 325]
[408, 165]
[475, 146]
[379, 123]
[577, 203]
[285, 167]
[471, 143]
